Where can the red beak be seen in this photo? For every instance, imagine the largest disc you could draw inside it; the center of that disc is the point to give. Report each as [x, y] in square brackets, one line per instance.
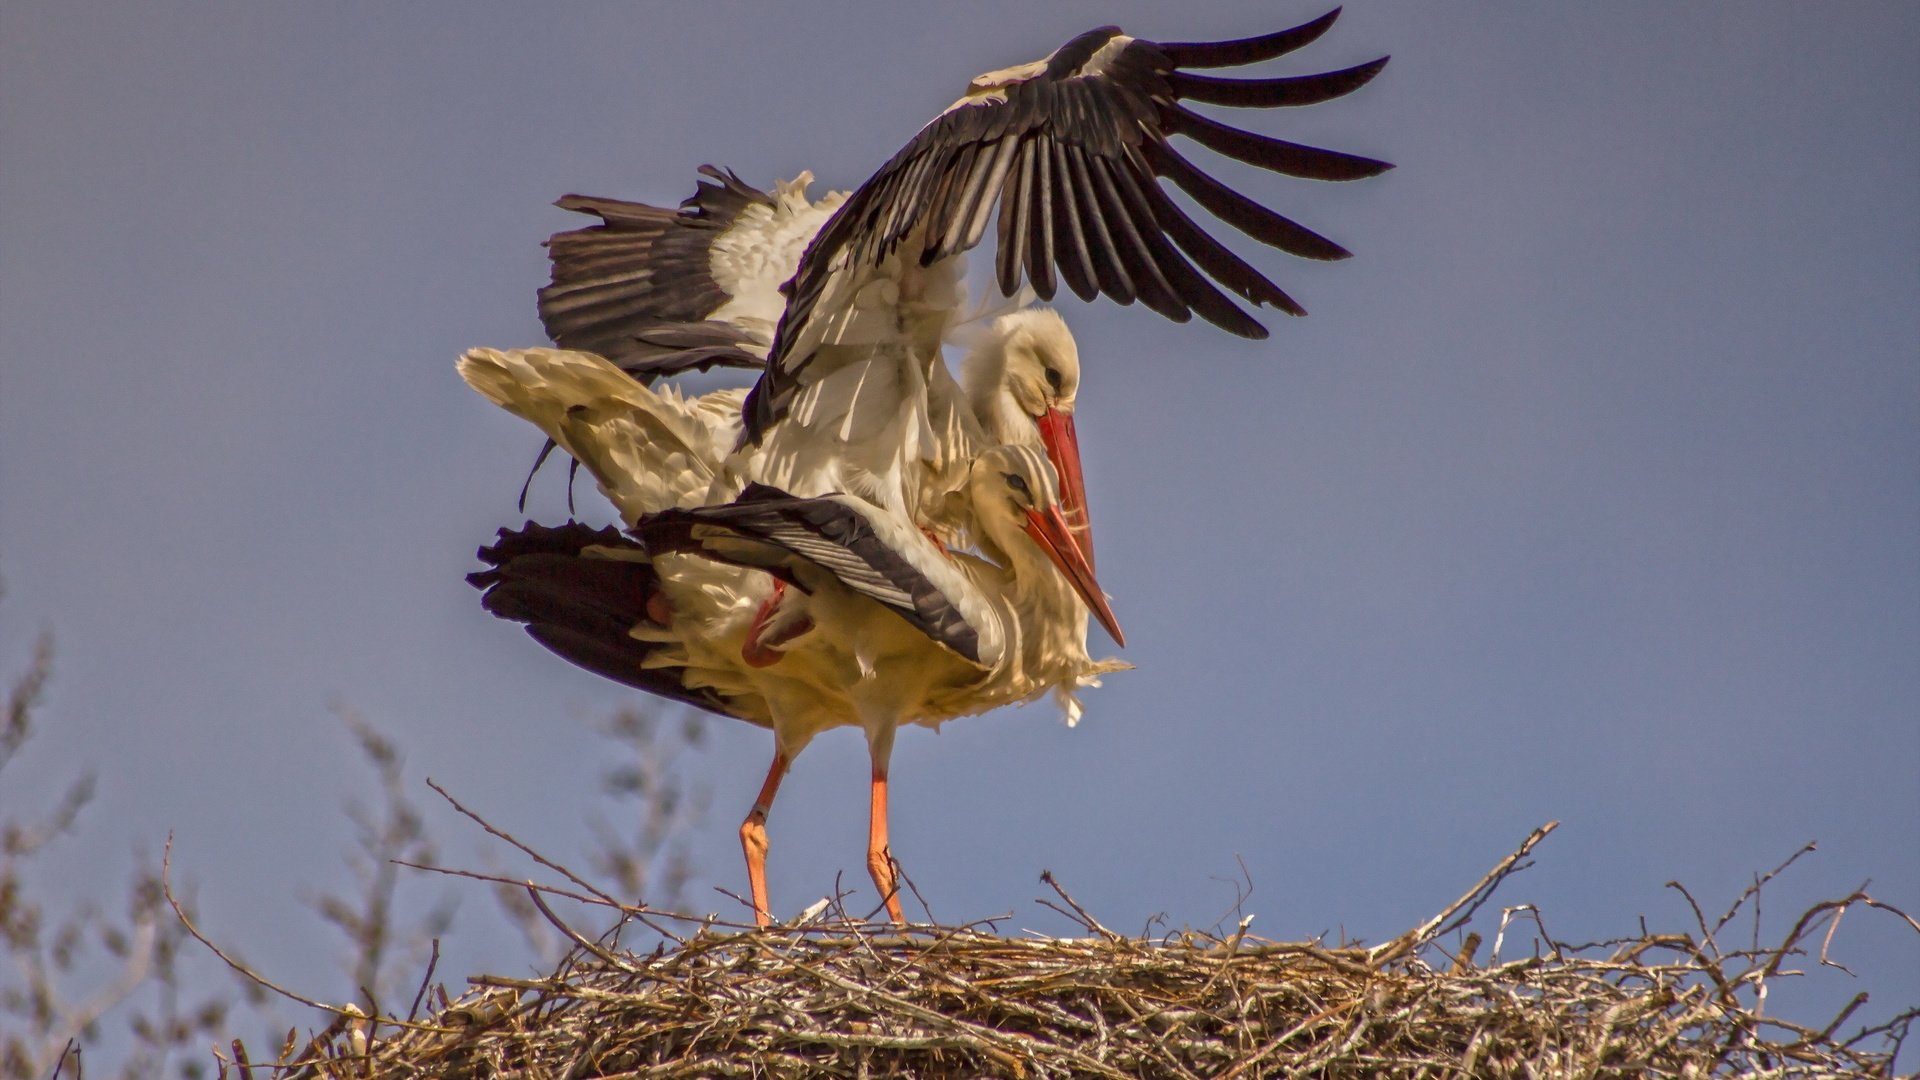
[1063, 449]
[1050, 531]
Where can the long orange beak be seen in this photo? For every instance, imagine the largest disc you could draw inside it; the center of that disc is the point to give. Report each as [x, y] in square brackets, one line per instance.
[1049, 529]
[1063, 449]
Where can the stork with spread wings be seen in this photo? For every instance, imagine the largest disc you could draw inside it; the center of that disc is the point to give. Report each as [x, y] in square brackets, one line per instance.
[796, 564]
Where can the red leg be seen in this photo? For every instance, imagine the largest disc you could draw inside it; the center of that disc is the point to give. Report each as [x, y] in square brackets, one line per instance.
[753, 838]
[879, 857]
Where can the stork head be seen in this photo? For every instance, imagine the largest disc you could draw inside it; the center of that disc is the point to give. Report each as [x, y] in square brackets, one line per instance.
[1023, 381]
[1013, 493]
[1042, 360]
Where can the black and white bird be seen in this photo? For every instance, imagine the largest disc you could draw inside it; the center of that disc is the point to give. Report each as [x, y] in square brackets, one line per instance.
[843, 613]
[659, 292]
[796, 538]
[847, 301]
[806, 614]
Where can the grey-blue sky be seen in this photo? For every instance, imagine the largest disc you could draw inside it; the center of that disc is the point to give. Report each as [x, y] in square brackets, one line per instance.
[1589, 490]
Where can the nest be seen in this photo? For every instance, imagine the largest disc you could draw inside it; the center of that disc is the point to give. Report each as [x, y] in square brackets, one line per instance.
[842, 997]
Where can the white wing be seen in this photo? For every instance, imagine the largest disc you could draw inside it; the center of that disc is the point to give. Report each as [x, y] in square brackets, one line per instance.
[648, 450]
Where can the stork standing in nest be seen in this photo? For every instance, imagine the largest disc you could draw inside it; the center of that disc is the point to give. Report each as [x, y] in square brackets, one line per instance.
[978, 633]
[855, 411]
[884, 627]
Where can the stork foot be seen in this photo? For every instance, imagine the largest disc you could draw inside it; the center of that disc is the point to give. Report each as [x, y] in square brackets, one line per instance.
[753, 840]
[886, 878]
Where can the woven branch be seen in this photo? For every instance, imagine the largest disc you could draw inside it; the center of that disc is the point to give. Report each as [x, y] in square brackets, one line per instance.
[847, 998]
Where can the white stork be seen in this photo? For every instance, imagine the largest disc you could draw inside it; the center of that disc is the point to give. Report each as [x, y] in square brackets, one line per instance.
[855, 397]
[650, 449]
[659, 292]
[856, 412]
[894, 629]
[881, 626]
[744, 643]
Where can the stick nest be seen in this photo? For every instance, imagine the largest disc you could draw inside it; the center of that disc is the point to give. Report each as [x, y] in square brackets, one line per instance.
[848, 998]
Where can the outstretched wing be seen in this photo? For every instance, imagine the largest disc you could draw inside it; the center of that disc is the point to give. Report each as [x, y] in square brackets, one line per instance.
[767, 529]
[1072, 149]
[660, 291]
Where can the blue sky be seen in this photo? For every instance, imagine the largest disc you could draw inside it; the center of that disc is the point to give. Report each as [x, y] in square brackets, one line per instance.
[1590, 490]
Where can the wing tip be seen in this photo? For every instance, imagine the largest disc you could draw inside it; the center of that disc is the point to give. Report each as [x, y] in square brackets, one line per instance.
[1251, 50]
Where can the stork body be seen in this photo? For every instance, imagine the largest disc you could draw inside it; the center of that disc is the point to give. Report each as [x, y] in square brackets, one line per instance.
[891, 628]
[905, 632]
[654, 448]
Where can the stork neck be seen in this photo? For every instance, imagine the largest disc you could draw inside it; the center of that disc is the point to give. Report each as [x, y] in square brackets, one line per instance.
[1053, 618]
[984, 376]
[1003, 420]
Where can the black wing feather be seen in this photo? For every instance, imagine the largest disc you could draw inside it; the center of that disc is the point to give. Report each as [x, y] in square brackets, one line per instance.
[1277, 155]
[641, 267]
[1133, 247]
[830, 535]
[1241, 212]
[910, 201]
[1052, 223]
[1080, 209]
[990, 190]
[1286, 93]
[1215, 258]
[1075, 153]
[1015, 237]
[1078, 229]
[1251, 50]
[1199, 293]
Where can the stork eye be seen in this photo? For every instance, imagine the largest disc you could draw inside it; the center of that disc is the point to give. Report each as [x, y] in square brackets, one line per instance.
[1018, 483]
[1053, 379]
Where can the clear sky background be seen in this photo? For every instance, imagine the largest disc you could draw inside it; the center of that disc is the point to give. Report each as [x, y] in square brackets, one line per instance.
[1590, 490]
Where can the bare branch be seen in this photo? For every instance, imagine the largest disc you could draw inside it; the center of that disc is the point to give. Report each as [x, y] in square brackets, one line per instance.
[245, 972]
[579, 881]
[1471, 901]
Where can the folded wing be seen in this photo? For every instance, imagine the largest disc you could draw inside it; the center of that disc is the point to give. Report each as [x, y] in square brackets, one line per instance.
[868, 552]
